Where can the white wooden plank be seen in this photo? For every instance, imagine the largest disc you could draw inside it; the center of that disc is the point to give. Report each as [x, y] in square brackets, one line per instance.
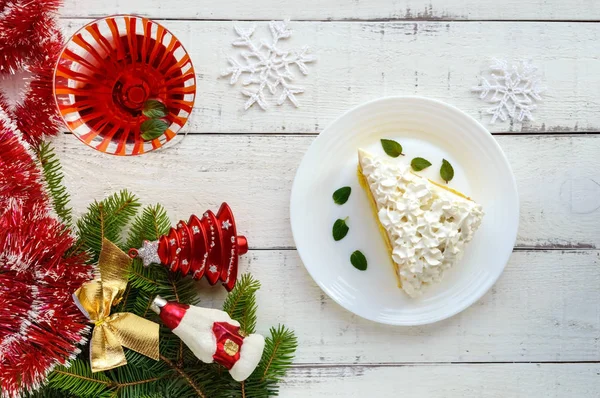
[545, 307]
[362, 61]
[339, 9]
[446, 381]
[557, 178]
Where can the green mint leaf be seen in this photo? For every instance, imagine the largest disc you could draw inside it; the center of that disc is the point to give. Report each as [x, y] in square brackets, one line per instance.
[341, 195]
[340, 229]
[392, 148]
[446, 171]
[419, 164]
[153, 128]
[359, 260]
[154, 109]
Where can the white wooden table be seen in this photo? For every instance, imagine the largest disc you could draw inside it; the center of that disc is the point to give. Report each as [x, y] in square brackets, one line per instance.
[537, 332]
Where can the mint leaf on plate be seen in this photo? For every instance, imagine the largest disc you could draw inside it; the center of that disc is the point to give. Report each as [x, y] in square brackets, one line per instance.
[392, 148]
[419, 164]
[340, 229]
[341, 195]
[358, 260]
[446, 171]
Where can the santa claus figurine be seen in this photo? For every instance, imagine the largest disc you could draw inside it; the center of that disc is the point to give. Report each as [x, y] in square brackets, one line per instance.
[212, 336]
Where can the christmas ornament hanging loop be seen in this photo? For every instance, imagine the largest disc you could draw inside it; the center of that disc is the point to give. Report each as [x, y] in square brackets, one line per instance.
[113, 332]
[133, 253]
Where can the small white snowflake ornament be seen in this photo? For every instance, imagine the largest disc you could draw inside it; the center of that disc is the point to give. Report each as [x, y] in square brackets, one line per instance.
[267, 66]
[513, 90]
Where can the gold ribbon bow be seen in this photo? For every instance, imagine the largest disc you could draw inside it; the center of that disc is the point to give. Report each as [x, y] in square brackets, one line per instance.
[123, 329]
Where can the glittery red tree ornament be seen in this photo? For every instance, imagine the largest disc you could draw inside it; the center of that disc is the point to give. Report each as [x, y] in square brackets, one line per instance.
[207, 246]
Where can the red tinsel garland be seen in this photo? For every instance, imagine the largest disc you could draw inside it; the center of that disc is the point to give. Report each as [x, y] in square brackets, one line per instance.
[22, 26]
[31, 41]
[40, 326]
[37, 115]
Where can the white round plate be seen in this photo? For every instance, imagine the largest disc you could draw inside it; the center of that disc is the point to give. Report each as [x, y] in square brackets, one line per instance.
[425, 128]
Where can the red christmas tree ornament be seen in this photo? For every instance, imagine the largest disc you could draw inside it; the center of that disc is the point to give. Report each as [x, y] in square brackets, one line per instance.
[212, 336]
[207, 246]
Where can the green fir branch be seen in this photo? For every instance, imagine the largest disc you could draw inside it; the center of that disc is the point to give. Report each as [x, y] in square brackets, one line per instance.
[149, 225]
[52, 170]
[47, 392]
[141, 376]
[278, 355]
[197, 388]
[79, 380]
[145, 278]
[106, 219]
[241, 305]
[158, 280]
[215, 381]
[279, 352]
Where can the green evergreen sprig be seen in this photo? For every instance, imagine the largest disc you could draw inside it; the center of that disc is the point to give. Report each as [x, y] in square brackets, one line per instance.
[52, 171]
[280, 348]
[241, 305]
[178, 373]
[79, 380]
[106, 219]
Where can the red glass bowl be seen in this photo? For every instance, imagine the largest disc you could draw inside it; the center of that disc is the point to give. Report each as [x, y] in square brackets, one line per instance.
[109, 69]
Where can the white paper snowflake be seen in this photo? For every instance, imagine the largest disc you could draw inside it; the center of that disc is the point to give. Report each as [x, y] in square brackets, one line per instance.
[267, 66]
[512, 89]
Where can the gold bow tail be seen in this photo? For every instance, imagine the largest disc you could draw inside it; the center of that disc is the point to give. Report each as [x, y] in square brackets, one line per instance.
[113, 332]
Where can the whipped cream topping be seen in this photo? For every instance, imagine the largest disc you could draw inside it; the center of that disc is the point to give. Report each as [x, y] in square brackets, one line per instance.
[428, 226]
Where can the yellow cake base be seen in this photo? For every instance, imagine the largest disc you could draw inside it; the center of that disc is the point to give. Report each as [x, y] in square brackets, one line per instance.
[454, 191]
[363, 183]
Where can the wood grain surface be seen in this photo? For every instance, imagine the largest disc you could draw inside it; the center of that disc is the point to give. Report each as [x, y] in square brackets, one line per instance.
[557, 180]
[544, 308]
[442, 381]
[583, 10]
[362, 61]
[536, 332]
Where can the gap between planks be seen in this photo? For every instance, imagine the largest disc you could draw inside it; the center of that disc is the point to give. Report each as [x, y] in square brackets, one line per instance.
[570, 249]
[308, 365]
[358, 20]
[316, 133]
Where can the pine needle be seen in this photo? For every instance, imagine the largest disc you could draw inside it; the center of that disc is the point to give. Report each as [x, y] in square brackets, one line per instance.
[47, 392]
[280, 348]
[52, 170]
[106, 219]
[240, 304]
[279, 352]
[141, 376]
[79, 380]
[149, 225]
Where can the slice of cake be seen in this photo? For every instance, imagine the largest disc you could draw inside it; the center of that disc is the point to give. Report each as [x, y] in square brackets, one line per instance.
[426, 226]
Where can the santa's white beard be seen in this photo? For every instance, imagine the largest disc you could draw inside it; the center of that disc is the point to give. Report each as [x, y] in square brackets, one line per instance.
[250, 355]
